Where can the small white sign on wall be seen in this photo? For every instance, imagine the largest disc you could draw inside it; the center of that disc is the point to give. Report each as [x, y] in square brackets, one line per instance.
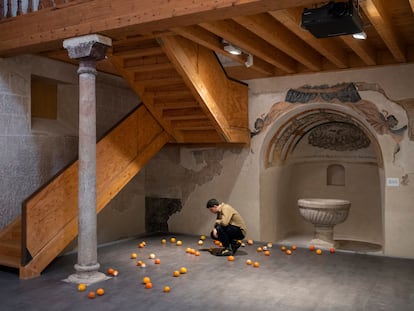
[393, 182]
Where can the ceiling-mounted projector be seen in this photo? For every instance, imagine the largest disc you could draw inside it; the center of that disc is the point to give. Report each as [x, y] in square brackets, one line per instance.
[333, 19]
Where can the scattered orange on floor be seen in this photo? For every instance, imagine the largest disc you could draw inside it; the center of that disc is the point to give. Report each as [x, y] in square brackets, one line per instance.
[148, 285]
[312, 247]
[256, 264]
[294, 247]
[230, 258]
[248, 262]
[91, 295]
[283, 248]
[176, 273]
[133, 256]
[81, 287]
[266, 253]
[183, 270]
[157, 261]
[173, 240]
[100, 291]
[110, 271]
[288, 252]
[167, 289]
[146, 280]
[332, 250]
[318, 251]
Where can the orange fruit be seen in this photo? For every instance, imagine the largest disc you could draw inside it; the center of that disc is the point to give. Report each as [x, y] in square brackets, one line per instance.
[288, 252]
[139, 263]
[248, 262]
[267, 253]
[202, 238]
[230, 258]
[259, 249]
[283, 248]
[100, 291]
[176, 273]
[81, 287]
[179, 243]
[157, 261]
[173, 240]
[141, 245]
[115, 273]
[192, 251]
[200, 242]
[256, 264]
[294, 247]
[110, 271]
[163, 241]
[312, 247]
[217, 242]
[133, 256]
[146, 280]
[91, 295]
[318, 251]
[167, 289]
[197, 253]
[332, 250]
[148, 285]
[250, 241]
[183, 270]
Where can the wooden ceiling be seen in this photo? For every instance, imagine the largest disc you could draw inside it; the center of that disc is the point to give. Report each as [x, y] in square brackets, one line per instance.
[270, 31]
[154, 40]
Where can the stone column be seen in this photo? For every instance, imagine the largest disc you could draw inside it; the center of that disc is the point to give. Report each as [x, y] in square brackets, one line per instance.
[88, 50]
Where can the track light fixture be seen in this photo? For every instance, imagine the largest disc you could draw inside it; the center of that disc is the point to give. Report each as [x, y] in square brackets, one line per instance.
[228, 47]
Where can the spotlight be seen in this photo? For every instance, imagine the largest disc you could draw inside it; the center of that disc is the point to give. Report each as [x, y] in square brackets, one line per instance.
[228, 47]
[360, 35]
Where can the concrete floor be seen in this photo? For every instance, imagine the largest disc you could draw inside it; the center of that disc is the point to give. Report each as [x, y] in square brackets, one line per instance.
[299, 282]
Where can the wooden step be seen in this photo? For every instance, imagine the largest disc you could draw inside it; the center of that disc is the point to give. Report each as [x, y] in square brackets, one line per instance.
[9, 261]
[10, 248]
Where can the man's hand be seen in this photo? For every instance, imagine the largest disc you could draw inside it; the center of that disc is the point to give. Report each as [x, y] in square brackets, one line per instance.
[215, 233]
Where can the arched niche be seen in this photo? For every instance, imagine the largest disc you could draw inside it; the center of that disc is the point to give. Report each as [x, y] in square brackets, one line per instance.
[296, 158]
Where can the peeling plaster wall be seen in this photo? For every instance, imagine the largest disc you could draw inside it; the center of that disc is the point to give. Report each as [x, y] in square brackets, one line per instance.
[34, 150]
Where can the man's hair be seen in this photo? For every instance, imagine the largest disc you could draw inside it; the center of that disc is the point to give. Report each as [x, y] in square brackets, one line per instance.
[212, 203]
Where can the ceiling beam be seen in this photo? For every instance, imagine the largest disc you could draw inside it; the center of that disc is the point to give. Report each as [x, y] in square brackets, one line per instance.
[270, 30]
[213, 42]
[362, 49]
[377, 13]
[119, 19]
[292, 18]
[251, 43]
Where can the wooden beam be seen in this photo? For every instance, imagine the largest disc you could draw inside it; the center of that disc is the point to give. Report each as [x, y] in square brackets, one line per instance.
[291, 19]
[361, 49]
[223, 101]
[120, 19]
[214, 42]
[377, 13]
[270, 30]
[251, 43]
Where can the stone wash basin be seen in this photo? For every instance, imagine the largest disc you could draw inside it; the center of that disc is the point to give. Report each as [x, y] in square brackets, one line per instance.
[324, 214]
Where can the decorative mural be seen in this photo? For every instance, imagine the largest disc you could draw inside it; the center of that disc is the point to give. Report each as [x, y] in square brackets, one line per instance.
[345, 94]
[338, 136]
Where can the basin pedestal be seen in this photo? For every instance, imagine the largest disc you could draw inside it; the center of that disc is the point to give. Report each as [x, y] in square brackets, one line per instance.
[324, 214]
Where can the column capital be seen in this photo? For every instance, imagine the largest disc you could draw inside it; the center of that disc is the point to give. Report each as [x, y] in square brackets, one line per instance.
[91, 47]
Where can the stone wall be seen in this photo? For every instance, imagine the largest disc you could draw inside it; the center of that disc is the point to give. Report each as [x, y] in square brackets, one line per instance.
[34, 150]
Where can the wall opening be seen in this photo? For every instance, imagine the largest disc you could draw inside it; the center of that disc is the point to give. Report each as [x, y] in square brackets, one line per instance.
[335, 175]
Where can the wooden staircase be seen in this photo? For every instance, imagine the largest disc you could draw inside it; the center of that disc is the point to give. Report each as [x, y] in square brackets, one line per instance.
[10, 244]
[187, 98]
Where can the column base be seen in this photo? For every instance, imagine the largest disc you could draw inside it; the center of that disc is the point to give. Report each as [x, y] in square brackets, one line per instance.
[87, 275]
[318, 243]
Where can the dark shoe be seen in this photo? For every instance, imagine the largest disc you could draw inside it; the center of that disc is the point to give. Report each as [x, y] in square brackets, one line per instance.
[225, 252]
[235, 246]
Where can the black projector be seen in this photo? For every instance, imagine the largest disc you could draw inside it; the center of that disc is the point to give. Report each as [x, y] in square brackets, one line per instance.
[333, 19]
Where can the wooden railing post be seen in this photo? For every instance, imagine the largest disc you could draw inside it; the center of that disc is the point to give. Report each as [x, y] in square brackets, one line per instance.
[9, 9]
[19, 8]
[30, 6]
[1, 9]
